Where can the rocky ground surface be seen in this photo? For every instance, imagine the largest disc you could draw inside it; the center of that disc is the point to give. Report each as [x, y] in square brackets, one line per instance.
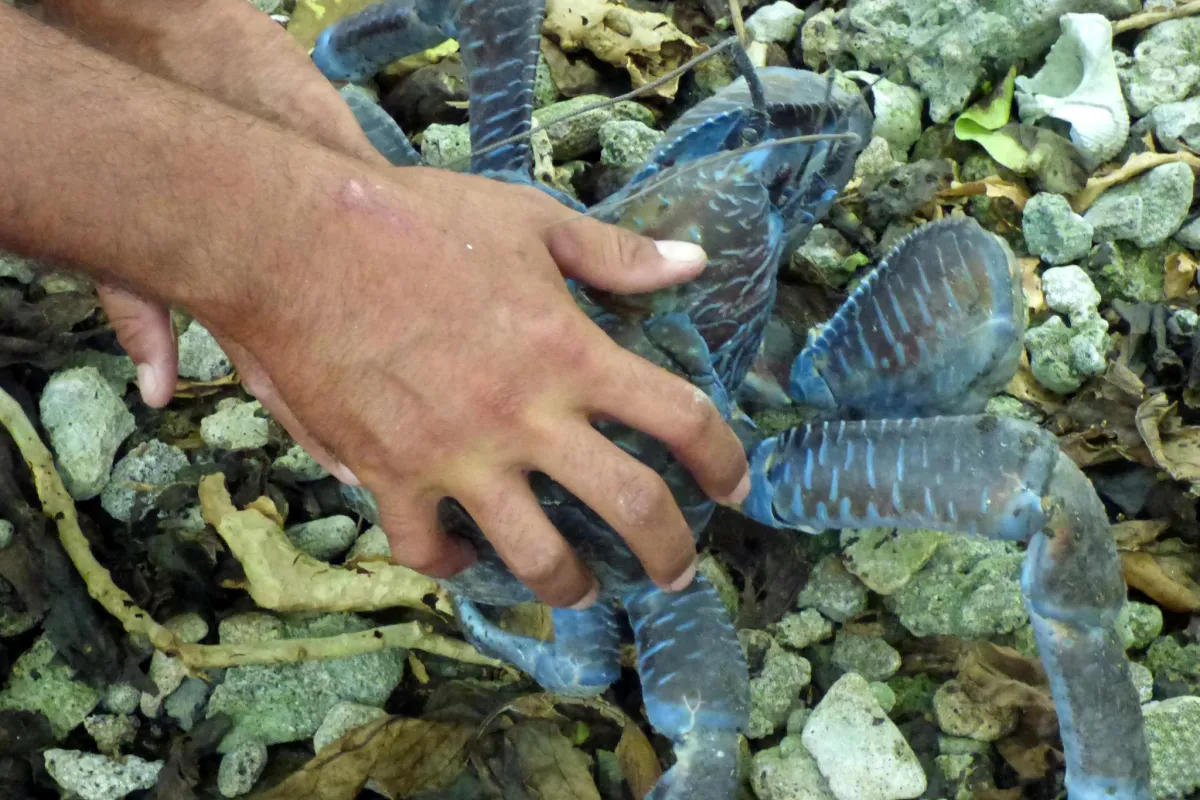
[885, 664]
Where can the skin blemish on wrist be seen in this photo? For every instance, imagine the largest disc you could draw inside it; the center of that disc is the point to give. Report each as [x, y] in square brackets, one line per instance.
[375, 200]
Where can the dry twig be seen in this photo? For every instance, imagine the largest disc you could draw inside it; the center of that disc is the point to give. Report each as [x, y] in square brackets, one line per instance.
[1147, 18]
[58, 505]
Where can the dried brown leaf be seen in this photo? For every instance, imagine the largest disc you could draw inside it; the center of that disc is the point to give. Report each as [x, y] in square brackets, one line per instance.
[1165, 579]
[1136, 165]
[1024, 386]
[1031, 283]
[992, 186]
[1179, 275]
[1173, 446]
[1002, 677]
[404, 756]
[639, 762]
[282, 578]
[572, 78]
[644, 43]
[1136, 533]
[551, 768]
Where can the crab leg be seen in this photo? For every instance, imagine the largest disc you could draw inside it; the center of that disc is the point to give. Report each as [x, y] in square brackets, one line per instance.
[1003, 479]
[582, 661]
[381, 130]
[695, 685]
[500, 41]
[358, 46]
[934, 329]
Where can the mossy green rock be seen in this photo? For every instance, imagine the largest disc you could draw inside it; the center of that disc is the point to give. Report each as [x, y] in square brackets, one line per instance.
[578, 136]
[287, 702]
[970, 589]
[1121, 270]
[1172, 729]
[885, 559]
[42, 682]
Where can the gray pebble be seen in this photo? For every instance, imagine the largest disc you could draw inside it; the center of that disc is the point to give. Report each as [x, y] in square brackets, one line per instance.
[1147, 209]
[140, 478]
[95, 777]
[777, 22]
[241, 768]
[200, 357]
[1053, 231]
[326, 538]
[236, 425]
[342, 718]
[87, 421]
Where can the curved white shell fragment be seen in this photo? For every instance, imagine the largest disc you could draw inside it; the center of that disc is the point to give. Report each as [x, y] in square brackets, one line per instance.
[1078, 84]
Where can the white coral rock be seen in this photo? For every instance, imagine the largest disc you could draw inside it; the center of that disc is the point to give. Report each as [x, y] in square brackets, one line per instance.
[1079, 85]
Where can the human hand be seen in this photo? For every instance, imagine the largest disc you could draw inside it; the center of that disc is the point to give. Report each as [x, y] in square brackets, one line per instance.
[232, 52]
[427, 339]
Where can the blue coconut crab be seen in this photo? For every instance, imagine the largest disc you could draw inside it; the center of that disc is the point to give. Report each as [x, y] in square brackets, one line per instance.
[897, 379]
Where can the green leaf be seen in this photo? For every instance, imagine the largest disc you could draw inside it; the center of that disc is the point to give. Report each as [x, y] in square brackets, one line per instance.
[984, 122]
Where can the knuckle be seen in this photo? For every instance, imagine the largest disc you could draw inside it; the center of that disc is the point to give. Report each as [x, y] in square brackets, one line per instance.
[697, 417]
[642, 501]
[543, 565]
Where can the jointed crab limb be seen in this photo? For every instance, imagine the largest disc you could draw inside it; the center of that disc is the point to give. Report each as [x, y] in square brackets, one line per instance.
[935, 329]
[1002, 479]
[1074, 591]
[500, 44]
[582, 661]
[382, 131]
[361, 45]
[695, 685]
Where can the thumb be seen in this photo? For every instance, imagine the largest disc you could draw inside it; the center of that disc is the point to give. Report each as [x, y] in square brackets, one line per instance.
[144, 330]
[617, 260]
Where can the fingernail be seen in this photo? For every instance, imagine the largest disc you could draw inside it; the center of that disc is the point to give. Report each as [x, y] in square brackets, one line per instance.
[147, 381]
[345, 475]
[681, 252]
[741, 492]
[588, 599]
[684, 580]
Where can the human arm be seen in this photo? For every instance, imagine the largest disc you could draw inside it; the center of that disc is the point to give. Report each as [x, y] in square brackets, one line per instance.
[449, 373]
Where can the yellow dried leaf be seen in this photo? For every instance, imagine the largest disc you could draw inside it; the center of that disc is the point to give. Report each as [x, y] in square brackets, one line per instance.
[282, 578]
[1024, 386]
[404, 756]
[1135, 533]
[1164, 579]
[992, 186]
[1179, 276]
[1136, 165]
[646, 44]
[1031, 284]
[639, 762]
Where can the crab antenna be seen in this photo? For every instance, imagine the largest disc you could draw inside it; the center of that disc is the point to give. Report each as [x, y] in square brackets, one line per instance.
[638, 92]
[758, 96]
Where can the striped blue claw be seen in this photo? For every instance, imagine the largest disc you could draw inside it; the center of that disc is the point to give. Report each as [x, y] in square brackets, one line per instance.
[1002, 479]
[695, 685]
[360, 45]
[582, 661]
[935, 329]
[381, 130]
